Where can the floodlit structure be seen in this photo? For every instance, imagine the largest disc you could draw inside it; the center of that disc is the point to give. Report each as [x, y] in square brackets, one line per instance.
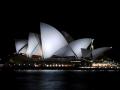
[50, 42]
[74, 48]
[21, 46]
[96, 53]
[51, 39]
[77, 45]
[34, 46]
[99, 52]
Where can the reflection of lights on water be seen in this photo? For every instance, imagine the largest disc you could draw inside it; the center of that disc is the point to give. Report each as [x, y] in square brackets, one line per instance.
[52, 71]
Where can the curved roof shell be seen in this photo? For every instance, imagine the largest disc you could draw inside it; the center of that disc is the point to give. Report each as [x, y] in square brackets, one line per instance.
[77, 45]
[33, 45]
[20, 45]
[51, 40]
[99, 52]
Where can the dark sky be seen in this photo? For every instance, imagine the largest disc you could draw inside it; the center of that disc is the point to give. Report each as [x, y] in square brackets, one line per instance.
[100, 23]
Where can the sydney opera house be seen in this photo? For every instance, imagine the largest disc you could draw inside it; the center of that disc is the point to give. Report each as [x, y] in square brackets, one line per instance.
[50, 42]
[51, 48]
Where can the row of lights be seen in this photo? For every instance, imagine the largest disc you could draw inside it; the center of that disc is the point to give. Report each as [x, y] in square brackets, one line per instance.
[100, 67]
[58, 65]
[23, 64]
[64, 65]
[46, 65]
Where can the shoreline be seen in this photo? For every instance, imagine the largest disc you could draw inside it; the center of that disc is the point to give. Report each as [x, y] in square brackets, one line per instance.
[63, 69]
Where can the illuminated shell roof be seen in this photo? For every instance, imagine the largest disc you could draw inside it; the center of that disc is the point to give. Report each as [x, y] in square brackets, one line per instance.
[20, 45]
[77, 45]
[96, 53]
[33, 44]
[51, 42]
[99, 51]
[51, 39]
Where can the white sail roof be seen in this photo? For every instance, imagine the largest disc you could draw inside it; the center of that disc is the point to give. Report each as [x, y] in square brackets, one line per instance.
[52, 42]
[99, 51]
[37, 51]
[86, 53]
[51, 39]
[62, 51]
[33, 45]
[20, 45]
[23, 50]
[67, 36]
[77, 45]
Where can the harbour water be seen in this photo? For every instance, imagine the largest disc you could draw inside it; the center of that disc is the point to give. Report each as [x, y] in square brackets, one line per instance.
[59, 80]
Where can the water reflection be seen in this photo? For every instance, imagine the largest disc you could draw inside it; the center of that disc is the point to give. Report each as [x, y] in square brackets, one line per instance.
[58, 80]
[52, 80]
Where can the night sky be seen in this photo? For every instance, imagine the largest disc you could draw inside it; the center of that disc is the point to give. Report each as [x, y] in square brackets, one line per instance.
[100, 23]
